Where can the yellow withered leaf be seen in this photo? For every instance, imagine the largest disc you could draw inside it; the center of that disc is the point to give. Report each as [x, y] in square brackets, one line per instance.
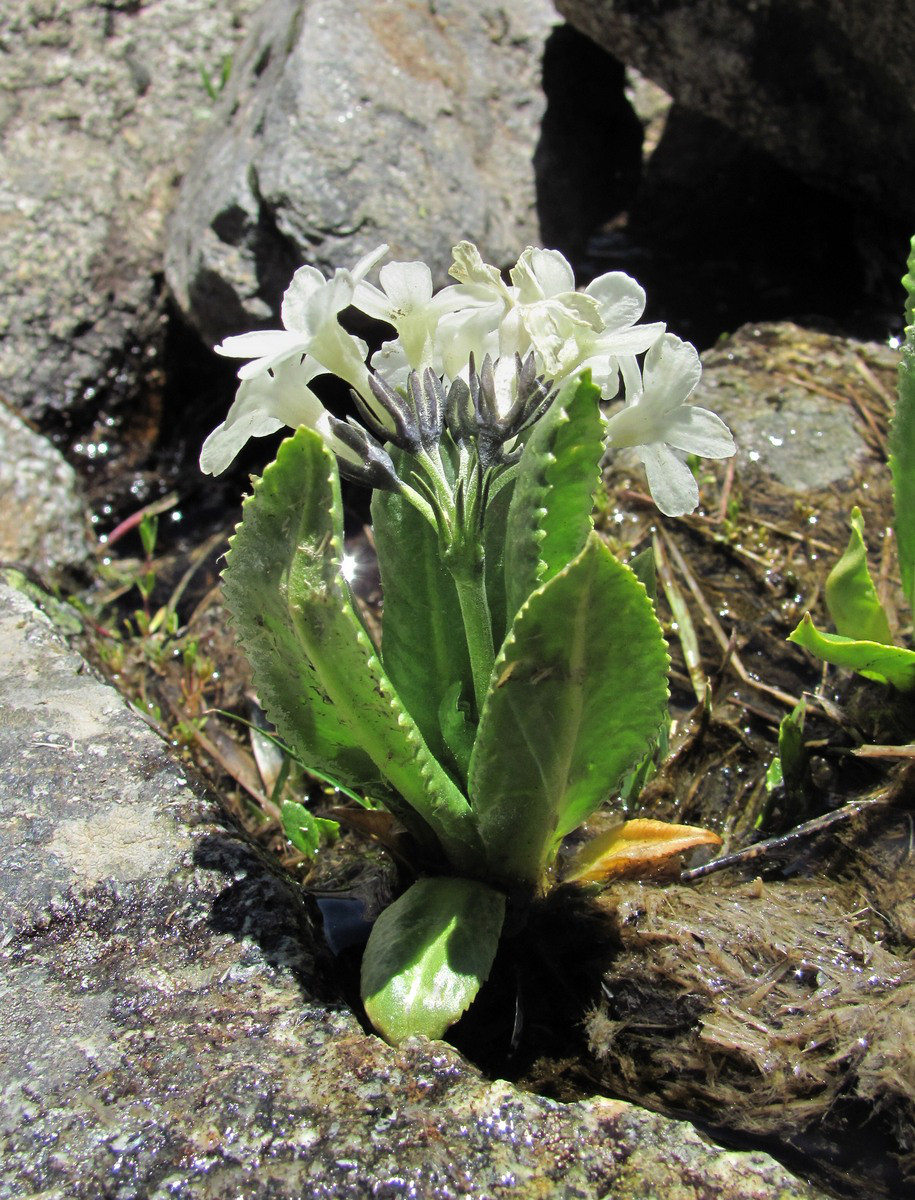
[635, 848]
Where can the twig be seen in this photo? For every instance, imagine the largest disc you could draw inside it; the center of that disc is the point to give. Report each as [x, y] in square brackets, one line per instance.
[787, 841]
[884, 752]
[794, 536]
[131, 522]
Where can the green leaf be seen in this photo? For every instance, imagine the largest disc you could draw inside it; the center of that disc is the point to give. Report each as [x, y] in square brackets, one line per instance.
[774, 774]
[644, 568]
[559, 471]
[579, 693]
[316, 670]
[423, 645]
[255, 587]
[428, 955]
[458, 730]
[887, 664]
[304, 829]
[908, 282]
[495, 532]
[851, 596]
[902, 462]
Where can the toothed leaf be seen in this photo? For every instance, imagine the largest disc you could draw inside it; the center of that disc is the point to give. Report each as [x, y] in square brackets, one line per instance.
[902, 445]
[579, 693]
[316, 670]
[559, 471]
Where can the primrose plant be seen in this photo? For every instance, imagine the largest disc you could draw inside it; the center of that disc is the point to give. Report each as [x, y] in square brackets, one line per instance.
[522, 672]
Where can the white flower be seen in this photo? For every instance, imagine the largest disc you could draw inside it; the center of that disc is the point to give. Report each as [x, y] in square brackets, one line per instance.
[406, 301]
[265, 403]
[310, 309]
[663, 426]
[620, 302]
[541, 310]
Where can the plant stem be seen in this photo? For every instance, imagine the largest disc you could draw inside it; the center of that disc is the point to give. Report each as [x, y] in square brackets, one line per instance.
[471, 590]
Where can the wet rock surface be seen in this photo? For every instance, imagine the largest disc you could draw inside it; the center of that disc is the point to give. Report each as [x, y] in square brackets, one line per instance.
[163, 1022]
[785, 392]
[100, 107]
[345, 125]
[826, 88]
[43, 522]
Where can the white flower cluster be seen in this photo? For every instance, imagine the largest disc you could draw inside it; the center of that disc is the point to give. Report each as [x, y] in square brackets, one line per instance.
[538, 312]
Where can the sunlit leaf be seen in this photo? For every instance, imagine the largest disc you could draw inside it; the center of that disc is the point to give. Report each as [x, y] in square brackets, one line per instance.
[851, 597]
[428, 955]
[578, 695]
[635, 848]
[423, 647]
[316, 670]
[887, 664]
[550, 515]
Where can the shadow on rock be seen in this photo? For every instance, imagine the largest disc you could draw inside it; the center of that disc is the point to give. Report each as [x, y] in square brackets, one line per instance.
[262, 906]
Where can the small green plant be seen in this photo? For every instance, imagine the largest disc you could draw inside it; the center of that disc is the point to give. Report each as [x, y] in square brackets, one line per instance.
[521, 677]
[215, 87]
[863, 641]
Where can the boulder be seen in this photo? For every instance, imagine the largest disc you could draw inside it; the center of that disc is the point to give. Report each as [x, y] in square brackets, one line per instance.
[99, 108]
[43, 522]
[825, 88]
[348, 123]
[169, 1026]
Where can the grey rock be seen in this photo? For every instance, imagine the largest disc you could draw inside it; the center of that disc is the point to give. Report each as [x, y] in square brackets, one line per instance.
[100, 105]
[825, 88]
[348, 123]
[162, 1029]
[43, 522]
[784, 392]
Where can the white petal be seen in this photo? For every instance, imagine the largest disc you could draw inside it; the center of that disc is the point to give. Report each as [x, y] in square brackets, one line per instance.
[323, 306]
[305, 282]
[671, 371]
[372, 301]
[472, 331]
[631, 373]
[408, 284]
[468, 268]
[698, 431]
[224, 443]
[262, 366]
[367, 262]
[541, 274]
[672, 485]
[632, 340]
[621, 300]
[635, 424]
[260, 343]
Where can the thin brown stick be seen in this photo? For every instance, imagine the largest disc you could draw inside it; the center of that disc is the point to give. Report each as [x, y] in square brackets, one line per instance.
[786, 841]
